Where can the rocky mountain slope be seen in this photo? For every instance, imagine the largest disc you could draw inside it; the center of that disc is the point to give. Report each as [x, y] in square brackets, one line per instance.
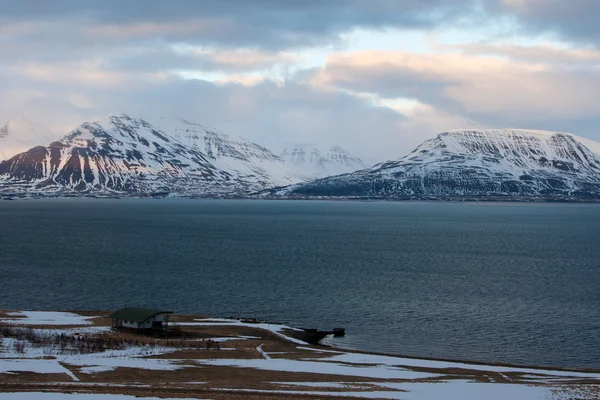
[233, 153]
[318, 163]
[120, 154]
[476, 163]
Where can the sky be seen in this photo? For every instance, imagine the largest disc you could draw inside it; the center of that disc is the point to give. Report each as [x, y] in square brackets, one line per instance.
[374, 76]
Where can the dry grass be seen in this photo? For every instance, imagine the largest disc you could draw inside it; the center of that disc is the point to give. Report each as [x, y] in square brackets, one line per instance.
[196, 344]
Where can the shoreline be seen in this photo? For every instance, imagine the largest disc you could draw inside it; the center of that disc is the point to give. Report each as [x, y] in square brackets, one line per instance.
[79, 352]
[466, 361]
[329, 346]
[429, 199]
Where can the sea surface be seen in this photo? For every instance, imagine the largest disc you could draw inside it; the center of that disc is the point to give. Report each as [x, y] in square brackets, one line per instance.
[501, 282]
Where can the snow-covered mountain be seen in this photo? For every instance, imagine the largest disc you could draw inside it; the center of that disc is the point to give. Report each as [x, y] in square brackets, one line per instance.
[317, 162]
[474, 163]
[115, 154]
[233, 153]
[124, 154]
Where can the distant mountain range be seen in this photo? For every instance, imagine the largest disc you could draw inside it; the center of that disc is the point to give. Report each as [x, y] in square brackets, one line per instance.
[473, 164]
[317, 162]
[122, 155]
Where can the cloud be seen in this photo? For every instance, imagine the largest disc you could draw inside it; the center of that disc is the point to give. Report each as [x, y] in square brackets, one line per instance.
[84, 76]
[574, 21]
[270, 24]
[481, 88]
[270, 112]
[256, 68]
[169, 58]
[545, 53]
[275, 113]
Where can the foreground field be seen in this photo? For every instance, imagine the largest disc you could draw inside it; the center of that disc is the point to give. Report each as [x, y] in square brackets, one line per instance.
[60, 355]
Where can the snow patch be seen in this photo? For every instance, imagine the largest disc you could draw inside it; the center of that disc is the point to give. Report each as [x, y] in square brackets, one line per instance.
[47, 318]
[35, 366]
[328, 368]
[273, 328]
[356, 358]
[464, 390]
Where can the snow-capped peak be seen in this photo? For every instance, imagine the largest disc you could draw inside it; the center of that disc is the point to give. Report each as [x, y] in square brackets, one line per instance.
[505, 143]
[119, 153]
[498, 135]
[505, 131]
[320, 161]
[476, 162]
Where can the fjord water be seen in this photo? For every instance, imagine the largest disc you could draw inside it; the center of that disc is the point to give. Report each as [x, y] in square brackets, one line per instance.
[501, 282]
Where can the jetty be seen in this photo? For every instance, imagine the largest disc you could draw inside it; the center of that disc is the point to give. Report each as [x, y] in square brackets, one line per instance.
[314, 336]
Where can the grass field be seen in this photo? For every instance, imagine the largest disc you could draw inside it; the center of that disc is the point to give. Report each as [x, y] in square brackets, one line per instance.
[47, 354]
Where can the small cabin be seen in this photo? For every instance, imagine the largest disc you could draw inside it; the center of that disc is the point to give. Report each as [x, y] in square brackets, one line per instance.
[143, 320]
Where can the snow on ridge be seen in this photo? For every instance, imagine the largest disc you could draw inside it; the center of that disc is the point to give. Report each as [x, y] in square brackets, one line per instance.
[543, 135]
[538, 132]
[319, 161]
[120, 153]
[474, 163]
[186, 158]
[593, 145]
[477, 141]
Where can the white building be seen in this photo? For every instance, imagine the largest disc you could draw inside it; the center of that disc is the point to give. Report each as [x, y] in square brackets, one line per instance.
[141, 319]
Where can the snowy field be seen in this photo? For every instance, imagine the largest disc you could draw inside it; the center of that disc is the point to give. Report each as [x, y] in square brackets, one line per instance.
[46, 352]
[46, 318]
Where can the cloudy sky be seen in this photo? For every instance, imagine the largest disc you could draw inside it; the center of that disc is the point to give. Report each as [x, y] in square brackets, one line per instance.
[377, 76]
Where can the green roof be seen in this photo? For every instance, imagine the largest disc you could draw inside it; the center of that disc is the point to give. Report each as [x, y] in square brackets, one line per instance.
[137, 314]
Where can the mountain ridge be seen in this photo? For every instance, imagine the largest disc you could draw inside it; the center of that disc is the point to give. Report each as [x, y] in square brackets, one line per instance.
[122, 154]
[480, 163]
[319, 161]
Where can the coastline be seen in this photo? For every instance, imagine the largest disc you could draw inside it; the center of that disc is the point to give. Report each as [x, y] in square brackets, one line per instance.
[443, 199]
[465, 361]
[231, 358]
[327, 345]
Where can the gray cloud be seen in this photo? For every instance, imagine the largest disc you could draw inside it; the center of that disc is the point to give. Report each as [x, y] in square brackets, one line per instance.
[491, 91]
[116, 56]
[277, 113]
[165, 58]
[269, 24]
[546, 54]
[269, 112]
[574, 20]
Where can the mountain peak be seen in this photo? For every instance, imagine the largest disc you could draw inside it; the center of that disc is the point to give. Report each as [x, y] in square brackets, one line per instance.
[320, 160]
[506, 131]
[475, 162]
[123, 154]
